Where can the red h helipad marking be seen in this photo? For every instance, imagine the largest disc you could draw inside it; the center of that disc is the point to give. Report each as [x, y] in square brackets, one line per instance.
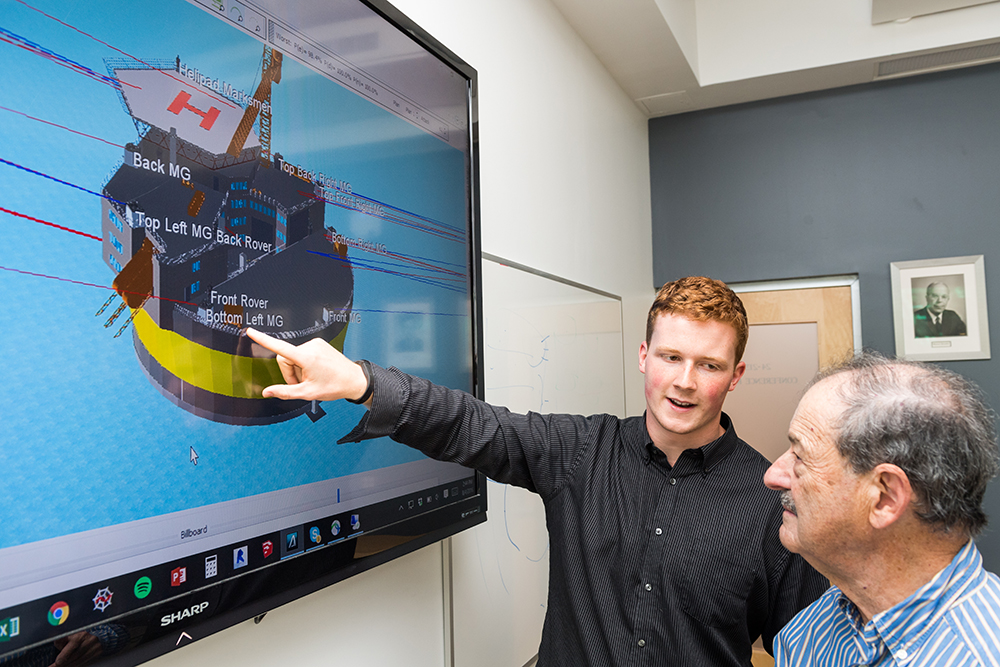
[181, 102]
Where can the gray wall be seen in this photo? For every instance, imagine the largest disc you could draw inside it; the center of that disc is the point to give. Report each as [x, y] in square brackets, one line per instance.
[842, 181]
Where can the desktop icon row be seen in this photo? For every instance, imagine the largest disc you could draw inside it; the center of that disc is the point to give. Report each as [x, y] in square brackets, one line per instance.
[104, 600]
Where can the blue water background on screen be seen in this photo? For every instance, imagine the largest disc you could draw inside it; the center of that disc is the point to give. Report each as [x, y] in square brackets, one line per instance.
[86, 440]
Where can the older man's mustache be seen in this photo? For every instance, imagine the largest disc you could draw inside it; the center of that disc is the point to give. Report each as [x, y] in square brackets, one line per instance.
[787, 502]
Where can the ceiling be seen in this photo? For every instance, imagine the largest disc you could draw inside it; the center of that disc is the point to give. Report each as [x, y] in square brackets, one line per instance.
[673, 56]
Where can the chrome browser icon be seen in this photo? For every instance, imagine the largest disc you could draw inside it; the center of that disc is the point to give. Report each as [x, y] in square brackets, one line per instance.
[58, 613]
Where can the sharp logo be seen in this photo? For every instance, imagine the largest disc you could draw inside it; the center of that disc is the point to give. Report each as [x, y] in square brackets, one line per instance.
[182, 614]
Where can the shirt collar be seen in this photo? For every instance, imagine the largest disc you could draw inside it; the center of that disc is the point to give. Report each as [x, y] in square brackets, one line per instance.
[905, 627]
[701, 459]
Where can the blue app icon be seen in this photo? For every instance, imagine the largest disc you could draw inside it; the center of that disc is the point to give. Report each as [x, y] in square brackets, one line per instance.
[355, 522]
[315, 535]
[240, 557]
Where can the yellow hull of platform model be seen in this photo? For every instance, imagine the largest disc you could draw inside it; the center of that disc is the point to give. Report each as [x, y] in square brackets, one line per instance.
[208, 369]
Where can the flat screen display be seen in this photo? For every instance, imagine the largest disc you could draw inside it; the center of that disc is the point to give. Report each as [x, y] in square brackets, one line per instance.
[171, 173]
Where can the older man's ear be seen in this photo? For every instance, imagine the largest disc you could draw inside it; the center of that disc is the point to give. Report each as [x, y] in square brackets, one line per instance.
[891, 493]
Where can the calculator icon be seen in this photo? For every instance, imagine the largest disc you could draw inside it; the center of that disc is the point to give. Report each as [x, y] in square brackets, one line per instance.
[211, 566]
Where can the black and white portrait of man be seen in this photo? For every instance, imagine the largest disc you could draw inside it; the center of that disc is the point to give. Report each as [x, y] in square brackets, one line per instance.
[935, 319]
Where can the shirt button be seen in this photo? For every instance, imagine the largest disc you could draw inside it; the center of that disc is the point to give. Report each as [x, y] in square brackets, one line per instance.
[659, 531]
[673, 480]
[642, 642]
[901, 654]
[649, 587]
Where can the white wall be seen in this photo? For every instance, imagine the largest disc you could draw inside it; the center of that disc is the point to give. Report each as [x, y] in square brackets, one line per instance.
[564, 152]
[752, 39]
[565, 189]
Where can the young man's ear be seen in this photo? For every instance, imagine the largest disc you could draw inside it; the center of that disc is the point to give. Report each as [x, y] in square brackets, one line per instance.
[741, 368]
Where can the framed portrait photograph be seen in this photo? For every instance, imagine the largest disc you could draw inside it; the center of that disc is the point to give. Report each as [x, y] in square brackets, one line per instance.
[939, 309]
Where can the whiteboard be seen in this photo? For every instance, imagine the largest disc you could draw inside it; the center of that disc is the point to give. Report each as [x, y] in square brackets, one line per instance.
[550, 346]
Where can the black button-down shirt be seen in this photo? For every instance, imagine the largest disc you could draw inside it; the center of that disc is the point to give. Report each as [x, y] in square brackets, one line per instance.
[650, 564]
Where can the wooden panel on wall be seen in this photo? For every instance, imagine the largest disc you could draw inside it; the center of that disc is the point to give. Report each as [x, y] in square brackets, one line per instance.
[829, 307]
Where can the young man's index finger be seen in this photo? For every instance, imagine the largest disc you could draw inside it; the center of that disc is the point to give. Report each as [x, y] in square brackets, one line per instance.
[285, 349]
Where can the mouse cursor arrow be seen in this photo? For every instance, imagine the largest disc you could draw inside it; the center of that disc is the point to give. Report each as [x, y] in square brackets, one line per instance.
[194, 456]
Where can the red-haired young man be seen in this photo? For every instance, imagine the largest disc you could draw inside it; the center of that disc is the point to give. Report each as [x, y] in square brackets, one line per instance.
[664, 539]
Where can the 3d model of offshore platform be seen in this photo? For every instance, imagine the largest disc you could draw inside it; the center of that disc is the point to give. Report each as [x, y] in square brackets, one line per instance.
[209, 233]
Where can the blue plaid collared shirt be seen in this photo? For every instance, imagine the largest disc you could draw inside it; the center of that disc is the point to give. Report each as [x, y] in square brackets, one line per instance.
[953, 620]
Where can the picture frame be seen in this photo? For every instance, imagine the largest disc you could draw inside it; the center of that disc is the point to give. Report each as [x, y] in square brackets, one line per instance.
[939, 309]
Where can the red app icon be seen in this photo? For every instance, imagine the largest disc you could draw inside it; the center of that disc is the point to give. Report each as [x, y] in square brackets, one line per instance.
[268, 548]
[178, 576]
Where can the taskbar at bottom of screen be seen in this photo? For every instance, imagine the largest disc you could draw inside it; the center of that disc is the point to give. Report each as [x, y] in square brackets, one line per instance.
[187, 587]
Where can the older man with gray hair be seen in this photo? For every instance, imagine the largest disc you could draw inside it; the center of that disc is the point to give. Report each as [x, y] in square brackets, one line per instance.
[882, 487]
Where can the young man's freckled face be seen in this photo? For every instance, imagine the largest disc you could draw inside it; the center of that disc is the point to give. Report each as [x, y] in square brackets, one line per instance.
[689, 367]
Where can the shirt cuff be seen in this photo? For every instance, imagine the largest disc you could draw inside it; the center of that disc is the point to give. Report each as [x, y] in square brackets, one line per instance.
[389, 391]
